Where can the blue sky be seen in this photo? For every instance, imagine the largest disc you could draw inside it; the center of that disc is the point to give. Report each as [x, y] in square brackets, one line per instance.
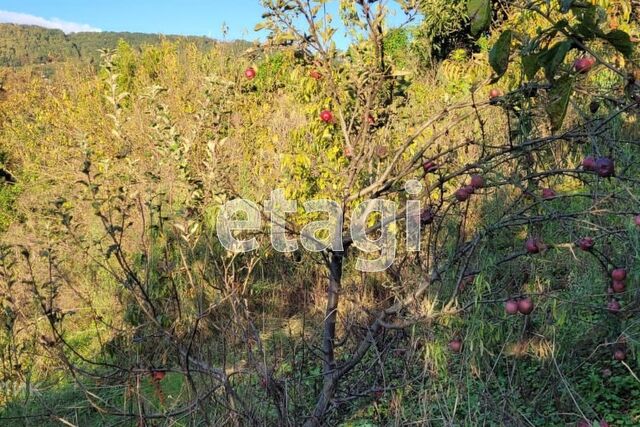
[186, 17]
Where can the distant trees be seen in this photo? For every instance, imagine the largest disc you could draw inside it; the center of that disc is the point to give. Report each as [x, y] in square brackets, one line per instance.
[27, 45]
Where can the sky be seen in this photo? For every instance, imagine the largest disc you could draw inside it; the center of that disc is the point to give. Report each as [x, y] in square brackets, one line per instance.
[183, 17]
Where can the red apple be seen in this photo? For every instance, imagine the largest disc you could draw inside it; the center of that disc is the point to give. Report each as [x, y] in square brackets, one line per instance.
[525, 306]
[618, 286]
[469, 189]
[455, 345]
[495, 93]
[370, 119]
[586, 243]
[250, 73]
[157, 375]
[477, 181]
[426, 216]
[430, 166]
[326, 116]
[637, 220]
[315, 74]
[533, 245]
[619, 354]
[461, 195]
[548, 193]
[619, 274]
[613, 306]
[511, 306]
[589, 163]
[584, 64]
[605, 167]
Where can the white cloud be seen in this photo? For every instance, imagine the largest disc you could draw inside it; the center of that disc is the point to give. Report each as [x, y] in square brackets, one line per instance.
[26, 19]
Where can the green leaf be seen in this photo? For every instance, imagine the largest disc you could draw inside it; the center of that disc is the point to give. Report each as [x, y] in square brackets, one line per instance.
[559, 97]
[621, 41]
[479, 12]
[590, 18]
[500, 52]
[552, 58]
[531, 65]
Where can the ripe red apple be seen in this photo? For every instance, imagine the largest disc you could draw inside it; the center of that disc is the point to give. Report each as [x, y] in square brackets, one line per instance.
[455, 345]
[157, 375]
[525, 306]
[533, 245]
[426, 216]
[589, 163]
[618, 286]
[315, 74]
[495, 93]
[584, 64]
[605, 167]
[548, 193]
[469, 189]
[619, 274]
[511, 306]
[326, 116]
[614, 306]
[619, 354]
[586, 243]
[477, 181]
[637, 220]
[430, 166]
[370, 119]
[250, 73]
[461, 195]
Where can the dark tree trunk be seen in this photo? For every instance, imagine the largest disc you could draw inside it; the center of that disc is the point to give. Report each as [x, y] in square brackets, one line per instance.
[328, 340]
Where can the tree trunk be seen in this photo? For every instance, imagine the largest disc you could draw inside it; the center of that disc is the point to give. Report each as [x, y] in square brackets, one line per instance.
[328, 340]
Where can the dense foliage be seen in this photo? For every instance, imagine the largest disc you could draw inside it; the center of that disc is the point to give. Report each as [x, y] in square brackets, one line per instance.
[521, 122]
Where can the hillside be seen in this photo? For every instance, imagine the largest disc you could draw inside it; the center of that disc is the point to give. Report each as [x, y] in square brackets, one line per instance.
[27, 45]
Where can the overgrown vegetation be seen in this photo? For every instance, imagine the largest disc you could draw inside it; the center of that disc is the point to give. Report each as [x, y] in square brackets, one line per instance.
[121, 306]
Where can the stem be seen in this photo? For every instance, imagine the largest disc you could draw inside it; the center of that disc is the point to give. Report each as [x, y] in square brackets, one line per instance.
[328, 340]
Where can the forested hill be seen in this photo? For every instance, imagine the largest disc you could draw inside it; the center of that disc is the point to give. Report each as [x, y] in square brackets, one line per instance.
[26, 44]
